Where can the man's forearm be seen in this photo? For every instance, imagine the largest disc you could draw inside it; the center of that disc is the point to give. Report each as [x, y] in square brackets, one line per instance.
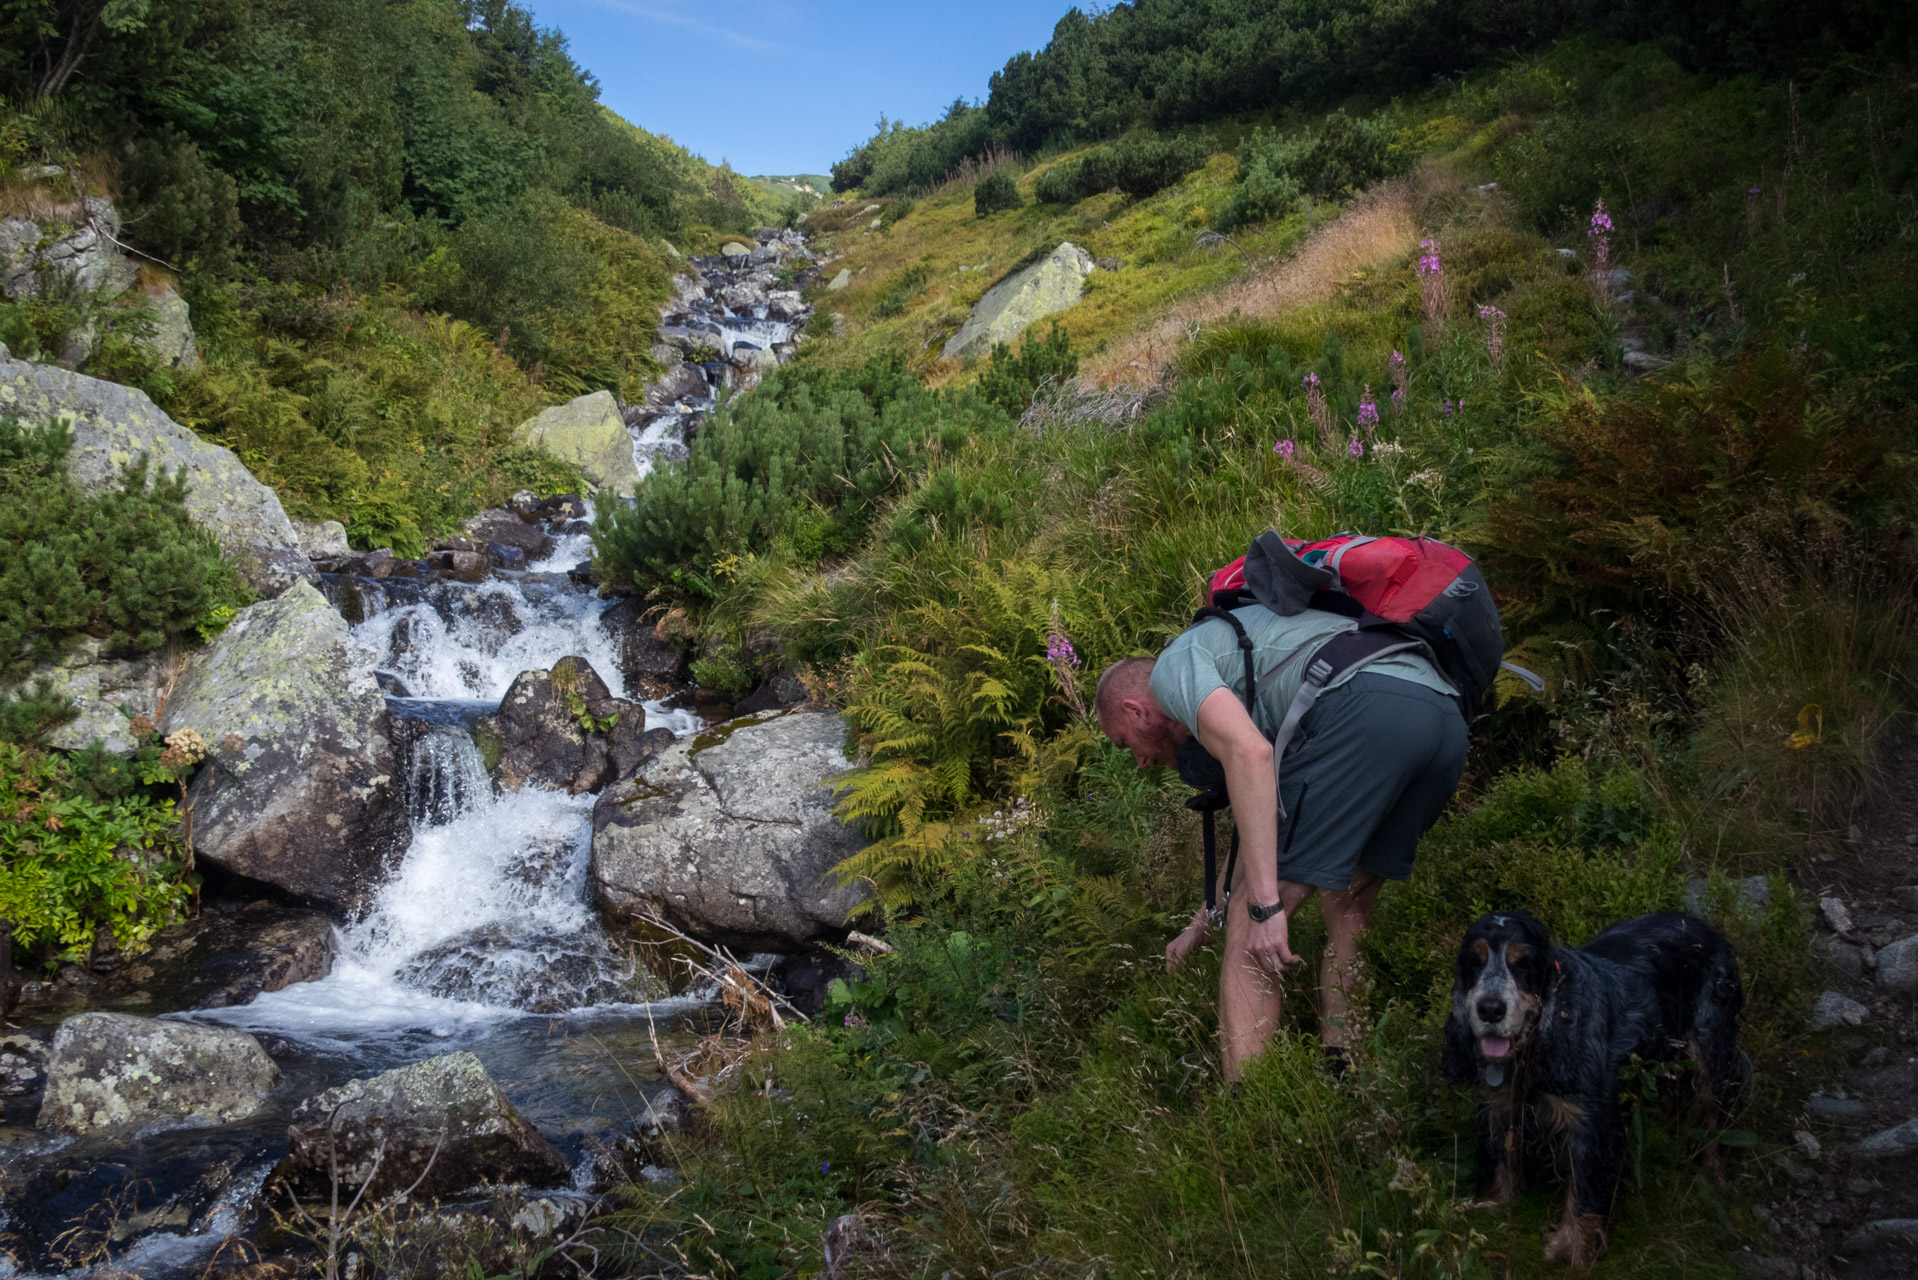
[1254, 790]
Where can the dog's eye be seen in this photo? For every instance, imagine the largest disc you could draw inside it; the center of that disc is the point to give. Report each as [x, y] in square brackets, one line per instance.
[1516, 951]
[1483, 952]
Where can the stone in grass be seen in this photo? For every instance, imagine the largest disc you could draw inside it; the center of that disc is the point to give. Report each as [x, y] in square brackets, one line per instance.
[1750, 897]
[441, 1122]
[1888, 1144]
[111, 1071]
[1898, 965]
[590, 433]
[1834, 1009]
[1050, 285]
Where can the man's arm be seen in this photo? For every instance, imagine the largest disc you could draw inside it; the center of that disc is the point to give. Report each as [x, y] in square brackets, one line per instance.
[1227, 731]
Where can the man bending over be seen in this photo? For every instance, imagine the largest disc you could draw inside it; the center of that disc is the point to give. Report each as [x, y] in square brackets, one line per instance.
[1370, 769]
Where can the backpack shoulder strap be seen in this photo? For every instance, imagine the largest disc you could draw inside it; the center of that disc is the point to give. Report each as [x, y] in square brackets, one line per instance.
[1343, 653]
[1211, 612]
[1209, 802]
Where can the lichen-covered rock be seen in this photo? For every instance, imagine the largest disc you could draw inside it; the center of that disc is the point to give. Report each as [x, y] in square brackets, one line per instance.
[590, 433]
[110, 1070]
[322, 539]
[731, 835]
[113, 425]
[1053, 284]
[396, 1119]
[108, 691]
[172, 337]
[541, 741]
[58, 252]
[301, 791]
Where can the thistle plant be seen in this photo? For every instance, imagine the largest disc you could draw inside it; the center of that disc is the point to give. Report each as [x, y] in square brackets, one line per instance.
[1321, 411]
[1494, 336]
[1600, 234]
[1433, 291]
[1400, 378]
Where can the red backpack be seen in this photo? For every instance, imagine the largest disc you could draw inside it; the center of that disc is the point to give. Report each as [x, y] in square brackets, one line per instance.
[1401, 593]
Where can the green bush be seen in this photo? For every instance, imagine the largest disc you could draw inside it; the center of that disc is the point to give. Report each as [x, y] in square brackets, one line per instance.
[1144, 165]
[1010, 381]
[995, 193]
[1057, 185]
[126, 564]
[763, 467]
[176, 205]
[73, 861]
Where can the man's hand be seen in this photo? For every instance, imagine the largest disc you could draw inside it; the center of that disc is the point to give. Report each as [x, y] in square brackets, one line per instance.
[1268, 945]
[1196, 934]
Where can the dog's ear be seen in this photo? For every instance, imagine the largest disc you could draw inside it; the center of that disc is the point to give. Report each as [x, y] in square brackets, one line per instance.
[1459, 1060]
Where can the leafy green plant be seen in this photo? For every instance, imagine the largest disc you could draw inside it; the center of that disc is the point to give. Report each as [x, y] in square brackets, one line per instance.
[71, 863]
[724, 669]
[1011, 380]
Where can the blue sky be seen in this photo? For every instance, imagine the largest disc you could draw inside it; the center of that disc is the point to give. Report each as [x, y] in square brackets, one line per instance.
[789, 86]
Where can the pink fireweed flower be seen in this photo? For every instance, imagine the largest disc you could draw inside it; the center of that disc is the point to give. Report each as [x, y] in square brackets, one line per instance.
[1432, 289]
[1368, 411]
[1059, 651]
[1401, 376]
[1601, 236]
[1448, 408]
[1285, 449]
[1356, 449]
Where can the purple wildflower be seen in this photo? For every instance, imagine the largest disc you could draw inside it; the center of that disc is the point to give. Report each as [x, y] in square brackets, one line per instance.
[1356, 449]
[1368, 411]
[1448, 408]
[1432, 289]
[1059, 651]
[1401, 376]
[1601, 221]
[1601, 235]
[1285, 449]
[855, 1022]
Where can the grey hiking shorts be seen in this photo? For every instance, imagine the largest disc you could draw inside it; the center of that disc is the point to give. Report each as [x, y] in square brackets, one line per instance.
[1372, 768]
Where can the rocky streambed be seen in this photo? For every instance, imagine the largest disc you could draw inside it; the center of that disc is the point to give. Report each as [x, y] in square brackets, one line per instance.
[441, 795]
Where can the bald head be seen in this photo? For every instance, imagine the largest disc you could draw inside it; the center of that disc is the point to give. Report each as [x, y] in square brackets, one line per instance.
[1128, 678]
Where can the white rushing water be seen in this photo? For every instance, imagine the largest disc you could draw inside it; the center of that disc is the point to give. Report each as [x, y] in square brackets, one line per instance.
[488, 915]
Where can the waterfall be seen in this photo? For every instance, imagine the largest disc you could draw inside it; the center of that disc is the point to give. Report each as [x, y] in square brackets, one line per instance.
[445, 778]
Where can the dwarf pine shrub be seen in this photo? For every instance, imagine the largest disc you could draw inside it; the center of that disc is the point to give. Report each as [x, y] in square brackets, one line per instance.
[127, 565]
[995, 193]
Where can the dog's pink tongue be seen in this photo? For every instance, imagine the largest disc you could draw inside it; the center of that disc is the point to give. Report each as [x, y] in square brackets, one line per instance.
[1494, 1046]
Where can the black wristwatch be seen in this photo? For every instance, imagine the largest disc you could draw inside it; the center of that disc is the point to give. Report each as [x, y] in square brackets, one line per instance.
[1261, 914]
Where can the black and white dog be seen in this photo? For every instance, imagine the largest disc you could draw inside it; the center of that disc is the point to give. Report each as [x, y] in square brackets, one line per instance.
[1543, 1031]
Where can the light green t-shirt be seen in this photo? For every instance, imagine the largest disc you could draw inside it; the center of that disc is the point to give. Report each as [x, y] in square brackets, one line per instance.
[1207, 657]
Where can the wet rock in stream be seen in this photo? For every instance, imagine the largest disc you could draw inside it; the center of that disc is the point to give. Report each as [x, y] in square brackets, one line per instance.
[499, 965]
[442, 1122]
[563, 728]
[301, 792]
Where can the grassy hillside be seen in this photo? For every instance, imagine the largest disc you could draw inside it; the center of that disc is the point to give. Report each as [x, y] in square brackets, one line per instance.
[1689, 485]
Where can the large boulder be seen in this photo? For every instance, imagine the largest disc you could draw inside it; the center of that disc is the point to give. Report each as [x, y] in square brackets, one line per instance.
[1053, 284]
[113, 425]
[109, 692]
[172, 337]
[300, 790]
[110, 1070]
[508, 528]
[384, 1132]
[224, 958]
[731, 836]
[589, 433]
[539, 739]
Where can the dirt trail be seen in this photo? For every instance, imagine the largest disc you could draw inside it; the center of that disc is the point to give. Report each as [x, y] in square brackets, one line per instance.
[1834, 1207]
[1380, 226]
